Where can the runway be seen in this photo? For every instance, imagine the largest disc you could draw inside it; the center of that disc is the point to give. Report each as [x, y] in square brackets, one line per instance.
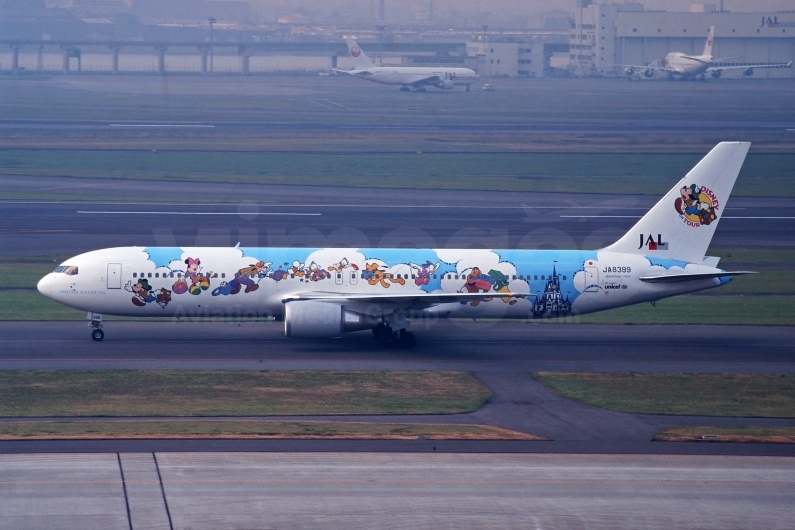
[309, 216]
[332, 490]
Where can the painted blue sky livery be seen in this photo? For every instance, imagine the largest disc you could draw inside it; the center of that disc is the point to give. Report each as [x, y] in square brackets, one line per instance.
[324, 292]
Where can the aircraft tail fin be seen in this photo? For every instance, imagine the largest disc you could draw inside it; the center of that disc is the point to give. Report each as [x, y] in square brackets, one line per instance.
[708, 44]
[357, 55]
[681, 225]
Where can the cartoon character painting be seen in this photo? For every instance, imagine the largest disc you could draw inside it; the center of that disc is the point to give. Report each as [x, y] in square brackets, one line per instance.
[697, 205]
[194, 281]
[501, 285]
[342, 265]
[244, 277]
[423, 272]
[376, 276]
[477, 282]
[552, 301]
[315, 273]
[144, 294]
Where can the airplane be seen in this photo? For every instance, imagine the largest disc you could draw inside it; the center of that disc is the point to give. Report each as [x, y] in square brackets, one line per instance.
[325, 292]
[408, 77]
[694, 66]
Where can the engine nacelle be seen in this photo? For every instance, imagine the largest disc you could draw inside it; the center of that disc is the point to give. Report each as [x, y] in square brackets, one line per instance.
[715, 74]
[648, 74]
[445, 85]
[748, 72]
[629, 71]
[312, 319]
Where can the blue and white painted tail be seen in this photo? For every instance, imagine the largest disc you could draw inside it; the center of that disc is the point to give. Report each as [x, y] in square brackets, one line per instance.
[681, 225]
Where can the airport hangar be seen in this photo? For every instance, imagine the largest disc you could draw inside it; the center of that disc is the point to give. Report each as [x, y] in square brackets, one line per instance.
[604, 36]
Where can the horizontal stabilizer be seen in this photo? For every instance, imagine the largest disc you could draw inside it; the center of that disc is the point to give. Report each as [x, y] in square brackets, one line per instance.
[675, 278]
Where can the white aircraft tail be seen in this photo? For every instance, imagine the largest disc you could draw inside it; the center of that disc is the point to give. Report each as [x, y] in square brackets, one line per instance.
[708, 44]
[360, 59]
[681, 225]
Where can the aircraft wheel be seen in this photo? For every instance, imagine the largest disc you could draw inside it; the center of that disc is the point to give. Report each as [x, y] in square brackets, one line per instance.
[467, 88]
[97, 334]
[407, 339]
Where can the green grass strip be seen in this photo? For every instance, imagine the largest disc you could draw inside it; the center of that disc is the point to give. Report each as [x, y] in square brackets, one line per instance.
[209, 429]
[780, 435]
[758, 395]
[236, 393]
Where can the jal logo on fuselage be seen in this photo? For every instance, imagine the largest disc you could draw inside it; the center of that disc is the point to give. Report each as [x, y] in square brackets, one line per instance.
[651, 244]
[769, 22]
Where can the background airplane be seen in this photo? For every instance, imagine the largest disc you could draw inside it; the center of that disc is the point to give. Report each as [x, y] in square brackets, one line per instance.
[694, 66]
[325, 292]
[417, 77]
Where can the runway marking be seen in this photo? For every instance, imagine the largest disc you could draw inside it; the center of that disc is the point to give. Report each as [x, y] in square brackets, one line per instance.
[337, 104]
[197, 213]
[162, 125]
[637, 217]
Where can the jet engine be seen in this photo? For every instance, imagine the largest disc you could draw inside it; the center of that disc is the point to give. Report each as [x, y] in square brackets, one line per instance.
[629, 71]
[445, 84]
[312, 319]
[648, 74]
[715, 74]
[748, 72]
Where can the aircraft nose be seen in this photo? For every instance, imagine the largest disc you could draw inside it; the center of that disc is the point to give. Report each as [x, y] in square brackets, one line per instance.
[45, 286]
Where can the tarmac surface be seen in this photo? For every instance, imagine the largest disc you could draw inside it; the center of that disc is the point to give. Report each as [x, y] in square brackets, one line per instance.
[502, 355]
[303, 490]
[351, 217]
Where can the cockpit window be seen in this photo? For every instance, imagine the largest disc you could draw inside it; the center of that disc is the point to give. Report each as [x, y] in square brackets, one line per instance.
[69, 270]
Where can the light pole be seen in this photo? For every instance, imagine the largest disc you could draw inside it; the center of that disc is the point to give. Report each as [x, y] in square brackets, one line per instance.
[211, 20]
[381, 30]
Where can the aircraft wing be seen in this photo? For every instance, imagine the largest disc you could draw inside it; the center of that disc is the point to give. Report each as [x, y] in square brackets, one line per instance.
[403, 299]
[675, 278]
[646, 67]
[749, 66]
[423, 80]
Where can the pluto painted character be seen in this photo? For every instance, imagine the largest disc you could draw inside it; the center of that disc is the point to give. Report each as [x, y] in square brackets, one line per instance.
[375, 276]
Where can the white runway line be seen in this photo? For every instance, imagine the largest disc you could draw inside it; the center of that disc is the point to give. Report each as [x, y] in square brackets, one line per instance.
[197, 213]
[161, 125]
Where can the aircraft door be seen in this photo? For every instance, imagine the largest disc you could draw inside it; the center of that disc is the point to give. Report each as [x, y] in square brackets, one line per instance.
[338, 277]
[591, 279]
[114, 275]
[354, 278]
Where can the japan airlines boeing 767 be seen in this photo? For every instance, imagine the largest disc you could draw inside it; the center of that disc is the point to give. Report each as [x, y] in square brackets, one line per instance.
[418, 77]
[695, 66]
[325, 292]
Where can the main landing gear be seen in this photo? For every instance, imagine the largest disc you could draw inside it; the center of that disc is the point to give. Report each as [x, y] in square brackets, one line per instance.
[96, 323]
[403, 338]
[405, 89]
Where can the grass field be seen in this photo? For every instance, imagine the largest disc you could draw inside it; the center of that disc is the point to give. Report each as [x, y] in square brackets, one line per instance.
[758, 395]
[231, 393]
[213, 429]
[780, 435]
[763, 175]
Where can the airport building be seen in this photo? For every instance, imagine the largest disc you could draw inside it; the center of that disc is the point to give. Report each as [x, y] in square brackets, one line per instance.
[606, 35]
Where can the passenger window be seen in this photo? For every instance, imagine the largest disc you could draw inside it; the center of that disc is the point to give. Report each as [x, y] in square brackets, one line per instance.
[223, 275]
[535, 277]
[514, 276]
[135, 275]
[434, 276]
[70, 270]
[157, 275]
[149, 275]
[564, 277]
[542, 276]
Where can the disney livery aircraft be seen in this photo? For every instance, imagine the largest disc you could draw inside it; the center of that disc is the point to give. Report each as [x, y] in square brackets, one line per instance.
[417, 77]
[689, 66]
[324, 292]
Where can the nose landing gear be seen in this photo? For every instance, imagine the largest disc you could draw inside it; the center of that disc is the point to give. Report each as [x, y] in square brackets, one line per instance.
[96, 323]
